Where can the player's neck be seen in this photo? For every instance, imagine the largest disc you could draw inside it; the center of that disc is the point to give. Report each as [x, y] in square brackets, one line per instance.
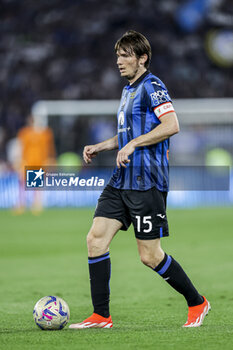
[140, 72]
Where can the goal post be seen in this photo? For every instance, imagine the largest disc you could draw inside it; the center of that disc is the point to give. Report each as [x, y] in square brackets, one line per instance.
[190, 111]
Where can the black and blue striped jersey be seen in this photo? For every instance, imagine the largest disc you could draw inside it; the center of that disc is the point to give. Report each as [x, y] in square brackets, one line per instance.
[141, 106]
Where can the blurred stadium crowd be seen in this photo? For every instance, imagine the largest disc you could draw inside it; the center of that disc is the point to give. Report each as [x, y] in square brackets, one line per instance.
[65, 50]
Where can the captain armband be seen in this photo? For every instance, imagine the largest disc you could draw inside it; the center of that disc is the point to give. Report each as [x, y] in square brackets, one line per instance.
[163, 109]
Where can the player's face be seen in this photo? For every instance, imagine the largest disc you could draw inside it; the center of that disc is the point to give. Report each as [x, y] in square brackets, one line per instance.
[129, 66]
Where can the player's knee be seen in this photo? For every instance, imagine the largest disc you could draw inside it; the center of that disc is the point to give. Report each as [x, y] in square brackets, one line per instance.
[150, 260]
[95, 244]
[92, 239]
[147, 260]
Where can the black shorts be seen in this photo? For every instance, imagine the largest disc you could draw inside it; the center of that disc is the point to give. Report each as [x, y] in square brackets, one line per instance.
[145, 209]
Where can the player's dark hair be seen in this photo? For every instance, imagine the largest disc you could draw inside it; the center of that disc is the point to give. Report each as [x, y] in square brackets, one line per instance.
[134, 42]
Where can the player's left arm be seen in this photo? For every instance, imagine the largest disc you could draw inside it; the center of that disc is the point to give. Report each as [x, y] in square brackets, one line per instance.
[168, 126]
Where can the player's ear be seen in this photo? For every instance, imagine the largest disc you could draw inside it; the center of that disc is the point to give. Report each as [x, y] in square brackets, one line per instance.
[143, 59]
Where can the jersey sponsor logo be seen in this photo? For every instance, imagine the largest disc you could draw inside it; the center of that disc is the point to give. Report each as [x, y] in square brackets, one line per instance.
[124, 129]
[163, 109]
[159, 97]
[121, 118]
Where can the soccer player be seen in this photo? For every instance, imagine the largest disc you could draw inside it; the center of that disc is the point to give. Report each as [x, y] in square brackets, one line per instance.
[138, 188]
[37, 149]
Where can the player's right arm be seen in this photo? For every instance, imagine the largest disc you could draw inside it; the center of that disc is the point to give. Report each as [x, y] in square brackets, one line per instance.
[91, 151]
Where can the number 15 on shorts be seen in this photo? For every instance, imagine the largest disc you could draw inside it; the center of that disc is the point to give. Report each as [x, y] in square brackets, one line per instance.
[146, 220]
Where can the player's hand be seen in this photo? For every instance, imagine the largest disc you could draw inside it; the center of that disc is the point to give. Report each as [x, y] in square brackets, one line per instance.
[89, 152]
[123, 155]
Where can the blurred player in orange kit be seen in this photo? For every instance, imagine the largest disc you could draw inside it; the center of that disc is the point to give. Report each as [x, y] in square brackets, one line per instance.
[37, 149]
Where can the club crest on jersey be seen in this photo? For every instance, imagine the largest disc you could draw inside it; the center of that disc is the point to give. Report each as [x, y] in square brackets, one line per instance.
[121, 118]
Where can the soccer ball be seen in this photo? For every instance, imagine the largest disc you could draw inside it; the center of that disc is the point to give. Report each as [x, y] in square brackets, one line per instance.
[51, 313]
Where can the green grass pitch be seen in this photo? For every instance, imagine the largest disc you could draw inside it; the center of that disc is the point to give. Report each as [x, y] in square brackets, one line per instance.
[46, 255]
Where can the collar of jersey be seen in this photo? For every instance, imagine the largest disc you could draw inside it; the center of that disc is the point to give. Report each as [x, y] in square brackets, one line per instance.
[138, 80]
